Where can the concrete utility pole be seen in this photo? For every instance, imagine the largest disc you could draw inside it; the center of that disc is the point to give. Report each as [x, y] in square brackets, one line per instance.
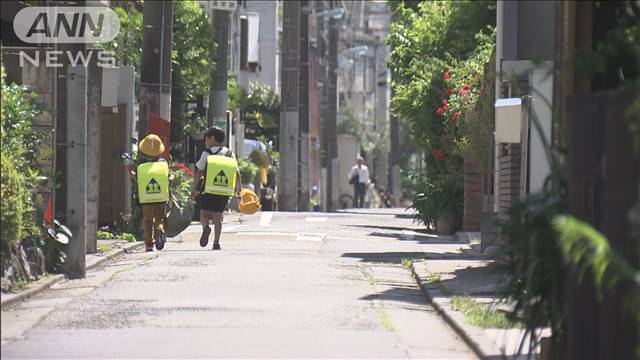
[94, 107]
[288, 180]
[394, 156]
[217, 113]
[76, 78]
[303, 159]
[331, 124]
[155, 77]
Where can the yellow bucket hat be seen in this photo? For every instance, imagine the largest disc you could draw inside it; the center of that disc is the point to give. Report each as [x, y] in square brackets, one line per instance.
[151, 145]
[249, 202]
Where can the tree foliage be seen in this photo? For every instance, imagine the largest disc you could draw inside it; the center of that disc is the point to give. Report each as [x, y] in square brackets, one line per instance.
[438, 58]
[20, 141]
[194, 49]
[193, 60]
[127, 46]
[259, 108]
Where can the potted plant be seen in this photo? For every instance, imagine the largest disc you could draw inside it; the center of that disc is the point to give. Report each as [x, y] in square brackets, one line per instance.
[248, 171]
[439, 199]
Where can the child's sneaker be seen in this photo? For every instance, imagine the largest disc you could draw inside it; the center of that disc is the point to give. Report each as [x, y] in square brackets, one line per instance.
[216, 246]
[161, 239]
[204, 239]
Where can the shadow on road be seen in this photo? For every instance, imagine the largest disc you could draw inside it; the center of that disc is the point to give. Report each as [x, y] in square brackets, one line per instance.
[478, 281]
[399, 294]
[422, 239]
[385, 257]
[397, 257]
[392, 228]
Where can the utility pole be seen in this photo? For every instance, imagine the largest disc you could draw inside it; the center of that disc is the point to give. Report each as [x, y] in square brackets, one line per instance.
[94, 106]
[331, 124]
[217, 113]
[323, 103]
[288, 177]
[155, 77]
[303, 159]
[76, 172]
[394, 166]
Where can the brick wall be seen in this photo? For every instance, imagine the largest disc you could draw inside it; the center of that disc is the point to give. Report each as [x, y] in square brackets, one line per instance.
[473, 185]
[509, 179]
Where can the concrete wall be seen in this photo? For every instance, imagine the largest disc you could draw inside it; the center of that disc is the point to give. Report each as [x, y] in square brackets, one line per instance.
[41, 80]
[267, 40]
[126, 96]
[536, 27]
[347, 152]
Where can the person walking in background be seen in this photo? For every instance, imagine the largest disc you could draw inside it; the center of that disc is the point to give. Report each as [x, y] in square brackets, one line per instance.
[221, 175]
[359, 177]
[152, 178]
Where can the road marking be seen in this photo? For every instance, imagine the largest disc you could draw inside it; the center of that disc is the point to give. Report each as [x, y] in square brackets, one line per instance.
[353, 239]
[265, 218]
[407, 234]
[316, 219]
[264, 233]
[299, 236]
[228, 228]
[310, 236]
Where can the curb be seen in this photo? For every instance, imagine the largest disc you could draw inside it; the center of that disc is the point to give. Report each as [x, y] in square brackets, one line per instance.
[43, 284]
[483, 351]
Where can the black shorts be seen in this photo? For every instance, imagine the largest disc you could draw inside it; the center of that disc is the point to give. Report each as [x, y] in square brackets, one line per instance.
[214, 203]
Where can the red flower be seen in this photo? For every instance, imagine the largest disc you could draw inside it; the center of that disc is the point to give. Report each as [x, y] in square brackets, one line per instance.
[448, 91]
[465, 87]
[445, 73]
[455, 117]
[444, 107]
[464, 91]
[444, 101]
[438, 154]
[190, 173]
[440, 111]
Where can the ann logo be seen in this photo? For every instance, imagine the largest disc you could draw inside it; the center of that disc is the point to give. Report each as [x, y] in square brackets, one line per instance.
[221, 179]
[153, 187]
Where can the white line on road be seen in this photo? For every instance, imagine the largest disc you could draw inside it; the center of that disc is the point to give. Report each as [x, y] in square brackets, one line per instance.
[265, 218]
[352, 239]
[298, 236]
[406, 234]
[310, 236]
[315, 219]
[264, 233]
[228, 228]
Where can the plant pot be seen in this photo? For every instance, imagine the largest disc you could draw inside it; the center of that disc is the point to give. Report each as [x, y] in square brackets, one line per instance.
[446, 223]
[545, 348]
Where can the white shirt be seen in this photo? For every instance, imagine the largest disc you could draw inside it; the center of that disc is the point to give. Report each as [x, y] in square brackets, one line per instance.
[363, 173]
[202, 163]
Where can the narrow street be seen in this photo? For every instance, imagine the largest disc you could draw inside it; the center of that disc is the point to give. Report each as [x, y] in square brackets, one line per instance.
[285, 285]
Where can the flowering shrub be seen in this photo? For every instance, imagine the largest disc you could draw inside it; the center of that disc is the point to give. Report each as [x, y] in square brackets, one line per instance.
[439, 52]
[182, 178]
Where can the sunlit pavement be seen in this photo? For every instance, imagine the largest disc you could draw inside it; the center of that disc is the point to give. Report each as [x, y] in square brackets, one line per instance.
[285, 285]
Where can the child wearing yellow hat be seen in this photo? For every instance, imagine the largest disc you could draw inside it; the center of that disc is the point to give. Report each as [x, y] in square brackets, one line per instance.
[152, 178]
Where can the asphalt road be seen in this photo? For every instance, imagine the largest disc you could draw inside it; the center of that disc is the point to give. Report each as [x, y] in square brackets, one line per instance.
[285, 285]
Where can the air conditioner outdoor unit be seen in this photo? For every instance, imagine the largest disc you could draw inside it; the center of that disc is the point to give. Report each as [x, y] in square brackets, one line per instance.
[508, 120]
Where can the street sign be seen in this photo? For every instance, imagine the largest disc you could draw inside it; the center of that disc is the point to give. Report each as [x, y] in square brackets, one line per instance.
[228, 5]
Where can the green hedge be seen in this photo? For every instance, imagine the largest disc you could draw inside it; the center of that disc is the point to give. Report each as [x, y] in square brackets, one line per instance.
[17, 205]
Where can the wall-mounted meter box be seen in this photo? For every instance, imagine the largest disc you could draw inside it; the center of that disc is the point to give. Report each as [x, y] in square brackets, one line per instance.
[508, 120]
